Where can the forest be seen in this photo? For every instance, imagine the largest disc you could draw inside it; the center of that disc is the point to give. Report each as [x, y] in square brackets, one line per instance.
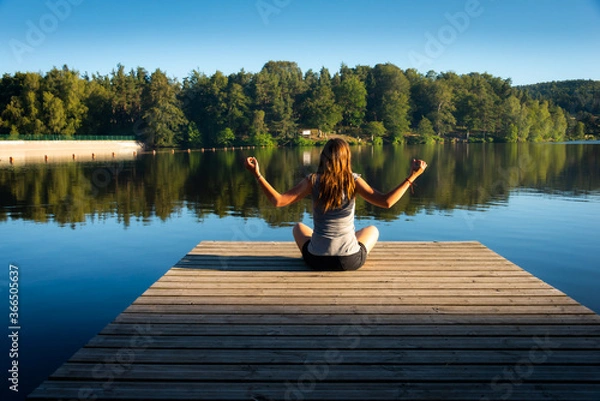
[272, 107]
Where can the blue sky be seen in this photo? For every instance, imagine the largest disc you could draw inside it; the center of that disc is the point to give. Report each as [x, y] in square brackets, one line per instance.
[528, 41]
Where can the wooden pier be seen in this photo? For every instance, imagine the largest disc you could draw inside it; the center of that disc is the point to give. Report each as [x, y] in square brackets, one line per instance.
[420, 321]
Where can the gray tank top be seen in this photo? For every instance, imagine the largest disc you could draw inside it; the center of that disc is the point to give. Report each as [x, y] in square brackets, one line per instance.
[334, 232]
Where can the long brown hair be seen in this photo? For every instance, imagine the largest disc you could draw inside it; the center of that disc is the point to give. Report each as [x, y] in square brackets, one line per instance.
[336, 181]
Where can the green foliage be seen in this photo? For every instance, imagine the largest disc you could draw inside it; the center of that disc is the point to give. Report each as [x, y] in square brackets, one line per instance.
[351, 96]
[191, 137]
[262, 139]
[580, 98]
[425, 131]
[163, 116]
[276, 88]
[270, 105]
[389, 92]
[512, 133]
[54, 113]
[225, 137]
[579, 132]
[300, 141]
[319, 108]
[374, 130]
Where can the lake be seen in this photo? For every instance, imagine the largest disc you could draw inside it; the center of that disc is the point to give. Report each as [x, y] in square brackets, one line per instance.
[89, 238]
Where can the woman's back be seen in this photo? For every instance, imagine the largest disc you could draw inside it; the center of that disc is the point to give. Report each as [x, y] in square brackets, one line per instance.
[334, 231]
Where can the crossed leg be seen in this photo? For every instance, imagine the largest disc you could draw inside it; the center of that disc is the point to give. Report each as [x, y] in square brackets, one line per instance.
[302, 234]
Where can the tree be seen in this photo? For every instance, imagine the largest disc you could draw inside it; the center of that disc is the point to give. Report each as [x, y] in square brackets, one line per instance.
[442, 116]
[432, 96]
[163, 117]
[477, 104]
[559, 124]
[97, 100]
[511, 109]
[374, 130]
[67, 86]
[258, 130]
[54, 113]
[225, 137]
[238, 106]
[425, 131]
[579, 132]
[389, 92]
[197, 101]
[276, 88]
[320, 109]
[351, 96]
[191, 136]
[23, 113]
[541, 119]
[126, 92]
[524, 123]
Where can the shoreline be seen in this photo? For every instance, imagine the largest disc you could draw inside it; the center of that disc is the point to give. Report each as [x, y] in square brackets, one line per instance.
[21, 152]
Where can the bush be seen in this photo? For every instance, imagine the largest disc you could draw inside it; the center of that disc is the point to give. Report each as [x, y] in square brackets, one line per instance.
[300, 141]
[225, 137]
[374, 129]
[378, 141]
[262, 139]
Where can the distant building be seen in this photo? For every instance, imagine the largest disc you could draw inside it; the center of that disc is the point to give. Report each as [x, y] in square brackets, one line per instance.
[307, 132]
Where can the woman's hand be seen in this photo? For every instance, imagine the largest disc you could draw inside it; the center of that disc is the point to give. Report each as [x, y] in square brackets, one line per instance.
[251, 164]
[418, 167]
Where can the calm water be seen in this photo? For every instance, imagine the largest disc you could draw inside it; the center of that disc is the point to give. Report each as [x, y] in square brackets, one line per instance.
[90, 238]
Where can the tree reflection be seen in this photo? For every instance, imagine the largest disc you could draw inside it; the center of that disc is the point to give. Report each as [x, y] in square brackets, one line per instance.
[215, 183]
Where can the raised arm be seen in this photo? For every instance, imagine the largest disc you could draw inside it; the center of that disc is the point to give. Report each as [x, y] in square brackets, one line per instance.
[300, 191]
[389, 199]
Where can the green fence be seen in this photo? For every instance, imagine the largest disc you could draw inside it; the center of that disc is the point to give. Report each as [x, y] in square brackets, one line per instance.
[73, 138]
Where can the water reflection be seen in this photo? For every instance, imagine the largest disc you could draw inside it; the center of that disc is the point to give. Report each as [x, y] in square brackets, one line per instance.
[459, 176]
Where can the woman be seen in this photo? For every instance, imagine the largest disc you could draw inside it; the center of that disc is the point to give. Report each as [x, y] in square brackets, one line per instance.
[333, 244]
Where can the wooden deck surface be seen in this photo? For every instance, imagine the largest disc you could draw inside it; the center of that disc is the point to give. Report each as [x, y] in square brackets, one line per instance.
[420, 321]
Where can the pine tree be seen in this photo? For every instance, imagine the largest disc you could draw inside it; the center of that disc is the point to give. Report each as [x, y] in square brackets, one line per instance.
[163, 116]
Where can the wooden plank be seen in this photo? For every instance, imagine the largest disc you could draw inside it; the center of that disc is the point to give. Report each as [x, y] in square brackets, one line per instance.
[365, 309]
[337, 373]
[318, 391]
[372, 266]
[556, 356]
[392, 283]
[184, 327]
[187, 289]
[180, 298]
[130, 316]
[421, 320]
[350, 338]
